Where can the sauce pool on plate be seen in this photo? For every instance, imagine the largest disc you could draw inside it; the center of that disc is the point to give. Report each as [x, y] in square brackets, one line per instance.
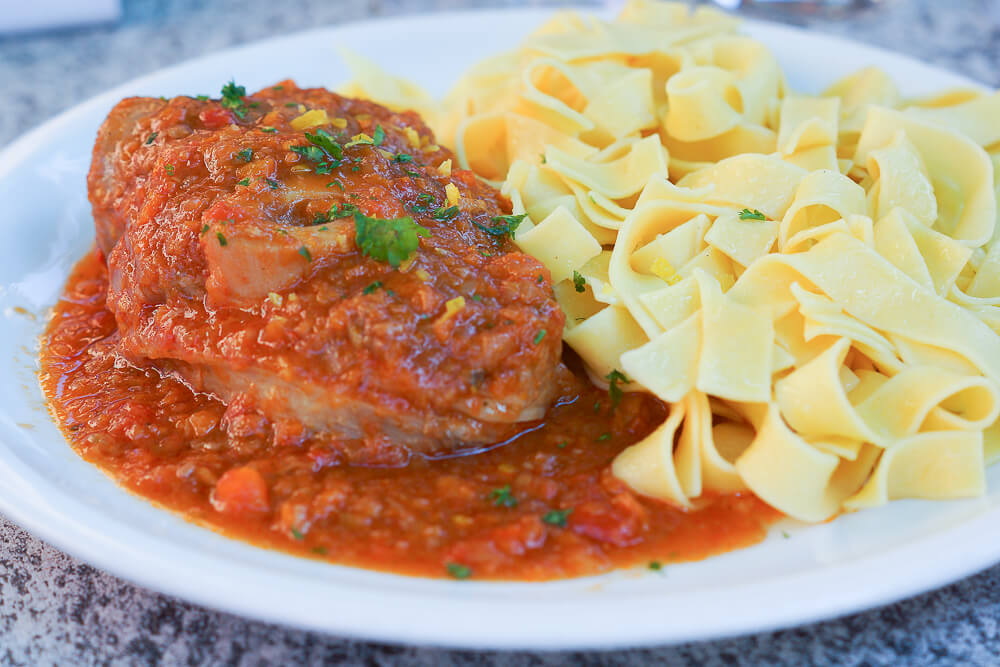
[542, 506]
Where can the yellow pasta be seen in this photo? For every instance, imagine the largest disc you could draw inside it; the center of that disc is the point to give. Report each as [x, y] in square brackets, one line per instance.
[812, 282]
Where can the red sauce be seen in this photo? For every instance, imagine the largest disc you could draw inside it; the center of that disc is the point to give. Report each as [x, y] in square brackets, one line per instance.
[542, 506]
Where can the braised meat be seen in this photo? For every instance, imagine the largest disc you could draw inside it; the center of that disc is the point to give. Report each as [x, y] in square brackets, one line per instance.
[312, 259]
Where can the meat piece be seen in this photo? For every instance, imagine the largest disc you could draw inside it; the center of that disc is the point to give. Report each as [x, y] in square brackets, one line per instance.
[231, 232]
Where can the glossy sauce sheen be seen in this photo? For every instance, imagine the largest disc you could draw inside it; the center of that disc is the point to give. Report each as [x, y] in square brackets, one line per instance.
[543, 506]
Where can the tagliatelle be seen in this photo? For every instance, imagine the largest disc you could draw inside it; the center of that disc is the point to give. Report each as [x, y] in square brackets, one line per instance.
[812, 282]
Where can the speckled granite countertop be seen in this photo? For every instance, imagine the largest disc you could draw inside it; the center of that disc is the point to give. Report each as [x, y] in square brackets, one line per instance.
[55, 609]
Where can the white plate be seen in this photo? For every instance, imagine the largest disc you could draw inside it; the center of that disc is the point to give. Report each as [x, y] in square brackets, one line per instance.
[818, 572]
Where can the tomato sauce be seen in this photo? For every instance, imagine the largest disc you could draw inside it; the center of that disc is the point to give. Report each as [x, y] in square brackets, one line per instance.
[544, 505]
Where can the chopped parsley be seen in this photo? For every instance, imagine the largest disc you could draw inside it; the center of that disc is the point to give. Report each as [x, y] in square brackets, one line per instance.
[562, 445]
[445, 213]
[379, 136]
[579, 282]
[371, 288]
[539, 279]
[268, 129]
[458, 571]
[539, 336]
[201, 98]
[245, 181]
[402, 157]
[304, 251]
[232, 99]
[503, 497]
[169, 169]
[273, 183]
[747, 214]
[505, 225]
[337, 183]
[476, 297]
[291, 104]
[422, 208]
[785, 534]
[246, 154]
[344, 210]
[655, 565]
[296, 534]
[204, 230]
[326, 153]
[604, 437]
[222, 239]
[277, 87]
[614, 391]
[557, 517]
[390, 241]
[151, 138]
[412, 174]
[319, 550]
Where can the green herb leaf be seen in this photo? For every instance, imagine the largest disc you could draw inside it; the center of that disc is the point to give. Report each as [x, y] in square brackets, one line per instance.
[503, 497]
[371, 288]
[579, 282]
[201, 98]
[506, 225]
[268, 129]
[603, 437]
[747, 214]
[245, 181]
[458, 571]
[445, 213]
[379, 136]
[337, 183]
[402, 157]
[222, 239]
[246, 154]
[562, 445]
[346, 210]
[614, 378]
[273, 183]
[304, 251]
[655, 565]
[390, 241]
[169, 169]
[412, 174]
[204, 230]
[296, 534]
[232, 99]
[291, 104]
[151, 138]
[539, 336]
[557, 517]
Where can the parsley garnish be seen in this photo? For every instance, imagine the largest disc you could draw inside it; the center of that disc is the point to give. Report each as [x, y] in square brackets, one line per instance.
[379, 136]
[304, 251]
[539, 279]
[390, 241]
[445, 213]
[402, 157]
[506, 225]
[539, 336]
[273, 183]
[323, 150]
[614, 391]
[246, 154]
[268, 129]
[296, 534]
[232, 99]
[562, 445]
[371, 288]
[747, 214]
[458, 571]
[277, 87]
[655, 565]
[320, 218]
[222, 239]
[579, 282]
[557, 517]
[204, 230]
[201, 98]
[319, 550]
[151, 138]
[604, 436]
[169, 169]
[291, 104]
[503, 496]
[346, 210]
[412, 174]
[245, 181]
[337, 183]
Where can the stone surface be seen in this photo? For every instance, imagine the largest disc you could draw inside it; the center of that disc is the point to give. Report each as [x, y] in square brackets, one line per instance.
[55, 609]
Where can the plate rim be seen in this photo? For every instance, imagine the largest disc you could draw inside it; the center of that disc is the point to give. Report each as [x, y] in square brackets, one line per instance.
[72, 535]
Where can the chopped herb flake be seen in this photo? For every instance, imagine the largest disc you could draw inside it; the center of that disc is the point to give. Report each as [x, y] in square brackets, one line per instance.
[319, 550]
[390, 241]
[268, 129]
[402, 157]
[539, 279]
[655, 565]
[562, 445]
[445, 213]
[151, 138]
[296, 534]
[169, 169]
[747, 214]
[337, 183]
[412, 174]
[539, 336]
[245, 181]
[246, 154]
[379, 136]
[557, 517]
[614, 378]
[204, 230]
[371, 288]
[503, 497]
[579, 282]
[232, 99]
[505, 225]
[222, 239]
[277, 87]
[273, 183]
[201, 98]
[458, 571]
[304, 251]
[603, 437]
